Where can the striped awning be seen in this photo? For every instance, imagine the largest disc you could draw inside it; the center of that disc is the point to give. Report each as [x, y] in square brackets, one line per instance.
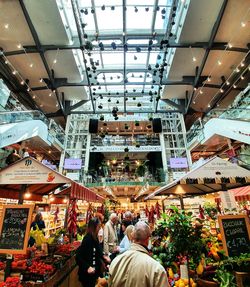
[81, 192]
[241, 194]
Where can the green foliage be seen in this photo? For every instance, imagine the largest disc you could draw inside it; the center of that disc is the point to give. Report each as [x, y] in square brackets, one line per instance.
[210, 209]
[224, 278]
[185, 238]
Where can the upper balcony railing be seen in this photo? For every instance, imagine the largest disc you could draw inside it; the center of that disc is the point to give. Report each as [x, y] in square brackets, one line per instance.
[124, 141]
[20, 116]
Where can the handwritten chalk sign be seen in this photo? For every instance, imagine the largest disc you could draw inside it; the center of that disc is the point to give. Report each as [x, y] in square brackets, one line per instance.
[235, 233]
[14, 228]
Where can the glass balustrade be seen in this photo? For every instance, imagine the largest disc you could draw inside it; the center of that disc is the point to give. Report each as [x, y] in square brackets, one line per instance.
[21, 116]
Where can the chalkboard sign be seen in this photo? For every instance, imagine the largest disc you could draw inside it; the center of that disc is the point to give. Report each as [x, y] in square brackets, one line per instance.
[235, 233]
[14, 228]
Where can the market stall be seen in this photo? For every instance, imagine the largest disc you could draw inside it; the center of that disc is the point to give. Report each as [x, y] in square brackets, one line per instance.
[214, 175]
[28, 179]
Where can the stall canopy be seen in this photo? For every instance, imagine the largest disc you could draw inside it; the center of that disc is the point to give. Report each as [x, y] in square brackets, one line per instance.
[240, 194]
[214, 175]
[31, 176]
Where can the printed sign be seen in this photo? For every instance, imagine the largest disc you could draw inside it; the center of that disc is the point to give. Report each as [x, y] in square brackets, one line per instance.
[28, 171]
[73, 163]
[178, 162]
[14, 228]
[235, 233]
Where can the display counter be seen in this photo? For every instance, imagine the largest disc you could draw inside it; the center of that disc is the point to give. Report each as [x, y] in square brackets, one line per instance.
[64, 277]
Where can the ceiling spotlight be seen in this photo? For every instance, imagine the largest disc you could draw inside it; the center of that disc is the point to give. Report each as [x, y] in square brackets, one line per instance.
[103, 7]
[138, 105]
[19, 46]
[14, 72]
[234, 86]
[243, 24]
[237, 70]
[146, 9]
[55, 61]
[117, 102]
[92, 10]
[194, 102]
[50, 94]
[86, 12]
[158, 57]
[201, 92]
[31, 65]
[57, 105]
[208, 106]
[242, 77]
[138, 49]
[221, 90]
[219, 63]
[22, 82]
[6, 26]
[135, 58]
[209, 79]
[41, 80]
[136, 9]
[230, 45]
[242, 64]
[227, 83]
[194, 59]
[6, 62]
[34, 97]
[112, 8]
[28, 89]
[109, 100]
[163, 11]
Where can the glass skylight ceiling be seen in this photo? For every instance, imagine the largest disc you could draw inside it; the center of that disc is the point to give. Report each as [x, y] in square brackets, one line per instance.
[123, 54]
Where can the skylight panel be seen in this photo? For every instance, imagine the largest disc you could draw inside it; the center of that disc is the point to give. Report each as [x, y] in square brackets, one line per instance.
[136, 20]
[114, 59]
[109, 20]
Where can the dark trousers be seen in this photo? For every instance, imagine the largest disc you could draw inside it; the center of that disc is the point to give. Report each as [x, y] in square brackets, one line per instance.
[89, 283]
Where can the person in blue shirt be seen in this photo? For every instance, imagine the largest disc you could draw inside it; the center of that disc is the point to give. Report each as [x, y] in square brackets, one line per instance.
[127, 239]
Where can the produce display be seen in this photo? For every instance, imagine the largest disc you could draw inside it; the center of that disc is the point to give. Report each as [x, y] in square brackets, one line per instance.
[11, 282]
[191, 251]
[37, 266]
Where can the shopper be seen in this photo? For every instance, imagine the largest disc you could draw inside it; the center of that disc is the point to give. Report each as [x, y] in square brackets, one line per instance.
[110, 238]
[128, 220]
[135, 267]
[89, 256]
[127, 239]
[13, 157]
[38, 223]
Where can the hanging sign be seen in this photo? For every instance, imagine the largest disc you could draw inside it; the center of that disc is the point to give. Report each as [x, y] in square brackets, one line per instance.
[235, 233]
[14, 228]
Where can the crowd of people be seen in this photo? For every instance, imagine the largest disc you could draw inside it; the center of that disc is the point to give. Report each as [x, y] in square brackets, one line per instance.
[120, 248]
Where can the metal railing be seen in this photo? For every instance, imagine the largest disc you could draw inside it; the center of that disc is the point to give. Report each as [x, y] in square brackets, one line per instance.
[124, 141]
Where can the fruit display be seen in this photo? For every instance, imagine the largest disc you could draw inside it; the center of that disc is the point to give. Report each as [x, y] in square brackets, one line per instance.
[11, 282]
[68, 249]
[38, 267]
[185, 283]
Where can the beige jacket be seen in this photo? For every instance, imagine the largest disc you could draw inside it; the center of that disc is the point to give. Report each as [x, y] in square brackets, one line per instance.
[135, 268]
[110, 239]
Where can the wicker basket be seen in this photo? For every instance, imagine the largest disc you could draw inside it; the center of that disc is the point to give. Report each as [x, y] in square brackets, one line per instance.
[206, 283]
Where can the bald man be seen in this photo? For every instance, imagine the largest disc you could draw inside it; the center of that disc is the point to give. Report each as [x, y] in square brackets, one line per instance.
[135, 267]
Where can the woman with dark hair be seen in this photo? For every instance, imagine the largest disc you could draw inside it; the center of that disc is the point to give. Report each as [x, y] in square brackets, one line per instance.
[89, 256]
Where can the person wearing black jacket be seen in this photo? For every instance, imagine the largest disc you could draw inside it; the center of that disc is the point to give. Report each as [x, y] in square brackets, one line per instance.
[89, 256]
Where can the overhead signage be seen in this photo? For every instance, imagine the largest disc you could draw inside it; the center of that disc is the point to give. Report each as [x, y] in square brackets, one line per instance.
[235, 233]
[178, 162]
[14, 228]
[121, 148]
[73, 163]
[28, 171]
